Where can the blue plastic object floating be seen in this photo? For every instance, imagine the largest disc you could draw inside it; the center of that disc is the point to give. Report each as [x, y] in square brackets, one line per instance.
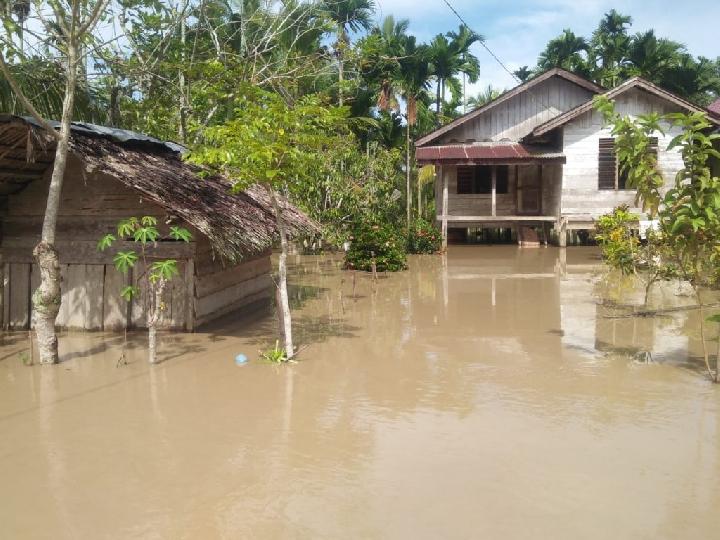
[241, 359]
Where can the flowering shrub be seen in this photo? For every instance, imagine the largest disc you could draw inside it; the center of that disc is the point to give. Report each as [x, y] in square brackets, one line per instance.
[423, 237]
[379, 243]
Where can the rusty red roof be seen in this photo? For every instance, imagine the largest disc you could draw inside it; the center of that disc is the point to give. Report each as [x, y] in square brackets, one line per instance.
[714, 107]
[486, 153]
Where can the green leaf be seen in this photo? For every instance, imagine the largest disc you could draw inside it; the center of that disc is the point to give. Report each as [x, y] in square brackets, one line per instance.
[149, 221]
[179, 233]
[124, 260]
[127, 227]
[166, 270]
[129, 292]
[714, 318]
[146, 234]
[105, 242]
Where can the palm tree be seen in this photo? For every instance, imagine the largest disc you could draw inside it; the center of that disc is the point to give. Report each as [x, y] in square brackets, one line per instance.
[414, 79]
[523, 73]
[565, 51]
[610, 44]
[652, 57]
[484, 97]
[347, 15]
[449, 56]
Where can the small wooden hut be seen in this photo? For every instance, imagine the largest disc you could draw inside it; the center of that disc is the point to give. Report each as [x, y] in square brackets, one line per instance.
[111, 175]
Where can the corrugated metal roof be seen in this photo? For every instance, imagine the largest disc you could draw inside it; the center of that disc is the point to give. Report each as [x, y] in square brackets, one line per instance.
[486, 153]
[114, 134]
[714, 107]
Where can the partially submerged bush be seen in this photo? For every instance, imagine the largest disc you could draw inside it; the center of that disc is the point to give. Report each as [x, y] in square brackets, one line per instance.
[423, 237]
[376, 243]
[614, 234]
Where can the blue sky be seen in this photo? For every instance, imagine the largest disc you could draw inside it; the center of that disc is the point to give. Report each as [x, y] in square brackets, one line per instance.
[517, 30]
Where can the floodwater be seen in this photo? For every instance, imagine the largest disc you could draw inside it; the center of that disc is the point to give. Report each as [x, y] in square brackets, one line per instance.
[495, 393]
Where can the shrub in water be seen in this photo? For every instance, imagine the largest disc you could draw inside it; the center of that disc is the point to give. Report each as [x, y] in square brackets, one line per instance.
[379, 243]
[423, 237]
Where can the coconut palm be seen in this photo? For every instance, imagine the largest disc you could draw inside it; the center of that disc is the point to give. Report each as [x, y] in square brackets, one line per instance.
[484, 97]
[565, 51]
[609, 44]
[449, 56]
[523, 73]
[347, 15]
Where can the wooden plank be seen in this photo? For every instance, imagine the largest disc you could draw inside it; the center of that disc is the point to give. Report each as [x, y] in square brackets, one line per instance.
[19, 315]
[115, 308]
[176, 309]
[94, 285]
[260, 296]
[190, 295]
[498, 218]
[211, 283]
[220, 300]
[138, 307]
[75, 296]
[34, 284]
[6, 296]
[85, 251]
[64, 312]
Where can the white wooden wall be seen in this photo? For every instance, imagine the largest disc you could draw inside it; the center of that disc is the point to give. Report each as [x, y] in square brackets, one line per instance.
[516, 117]
[581, 198]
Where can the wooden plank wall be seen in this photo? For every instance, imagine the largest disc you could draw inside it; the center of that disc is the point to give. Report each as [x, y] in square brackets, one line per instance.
[91, 298]
[221, 288]
[581, 198]
[517, 117]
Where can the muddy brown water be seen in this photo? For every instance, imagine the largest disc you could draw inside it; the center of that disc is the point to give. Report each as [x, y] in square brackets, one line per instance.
[488, 394]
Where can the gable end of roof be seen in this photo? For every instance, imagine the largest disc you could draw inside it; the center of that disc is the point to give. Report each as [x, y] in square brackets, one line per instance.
[554, 72]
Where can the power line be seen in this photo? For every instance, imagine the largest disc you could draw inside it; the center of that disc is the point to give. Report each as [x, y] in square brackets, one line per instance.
[482, 42]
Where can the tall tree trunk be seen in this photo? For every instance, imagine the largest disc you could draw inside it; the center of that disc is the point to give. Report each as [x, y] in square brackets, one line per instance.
[341, 67]
[153, 318]
[408, 205]
[438, 108]
[283, 300]
[46, 299]
[182, 129]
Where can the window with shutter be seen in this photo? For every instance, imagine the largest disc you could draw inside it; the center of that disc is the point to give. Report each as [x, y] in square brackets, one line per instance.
[607, 166]
[465, 180]
[478, 179]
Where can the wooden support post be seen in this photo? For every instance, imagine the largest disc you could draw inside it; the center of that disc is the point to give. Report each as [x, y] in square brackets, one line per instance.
[546, 232]
[444, 209]
[562, 232]
[494, 190]
[540, 189]
[190, 295]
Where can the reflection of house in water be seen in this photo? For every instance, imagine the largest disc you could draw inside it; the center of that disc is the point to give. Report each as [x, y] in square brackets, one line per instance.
[556, 299]
[591, 320]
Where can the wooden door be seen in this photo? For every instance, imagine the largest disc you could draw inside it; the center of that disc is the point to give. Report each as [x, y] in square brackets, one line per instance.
[529, 190]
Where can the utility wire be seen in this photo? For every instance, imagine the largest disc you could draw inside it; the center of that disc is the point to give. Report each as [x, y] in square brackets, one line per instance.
[482, 42]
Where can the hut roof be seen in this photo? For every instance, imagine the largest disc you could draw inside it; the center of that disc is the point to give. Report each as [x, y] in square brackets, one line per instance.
[236, 224]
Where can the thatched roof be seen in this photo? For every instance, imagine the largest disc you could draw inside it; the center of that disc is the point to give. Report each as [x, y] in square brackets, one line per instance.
[236, 224]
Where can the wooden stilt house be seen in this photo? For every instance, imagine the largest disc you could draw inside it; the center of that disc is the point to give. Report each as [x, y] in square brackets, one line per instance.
[111, 175]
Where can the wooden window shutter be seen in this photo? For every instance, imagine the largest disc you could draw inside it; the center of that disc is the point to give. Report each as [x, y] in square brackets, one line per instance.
[465, 179]
[607, 165]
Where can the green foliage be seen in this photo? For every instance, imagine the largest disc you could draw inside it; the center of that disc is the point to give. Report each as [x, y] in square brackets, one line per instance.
[613, 55]
[378, 244]
[269, 141]
[688, 240]
[423, 237]
[129, 292]
[275, 355]
[619, 245]
[142, 231]
[166, 270]
[124, 260]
